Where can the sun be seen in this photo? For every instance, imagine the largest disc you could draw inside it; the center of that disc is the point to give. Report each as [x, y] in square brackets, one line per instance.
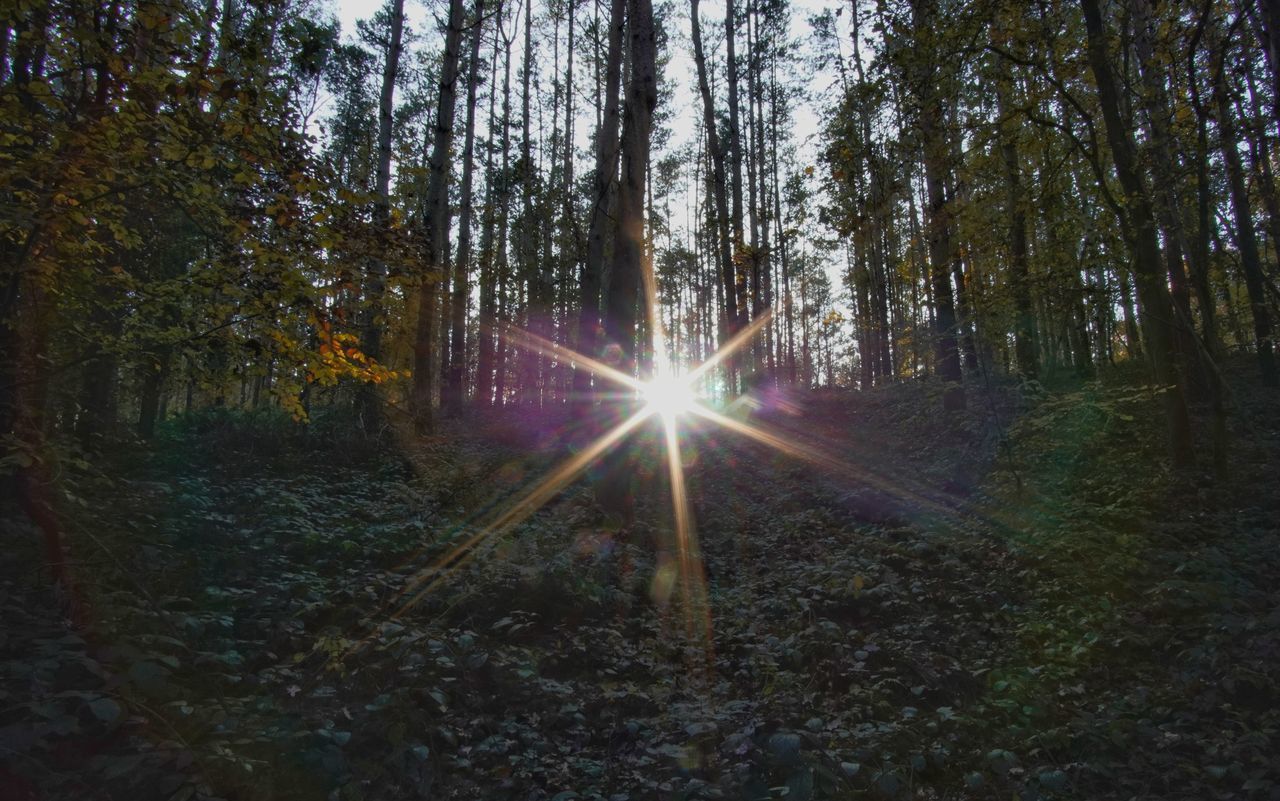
[670, 396]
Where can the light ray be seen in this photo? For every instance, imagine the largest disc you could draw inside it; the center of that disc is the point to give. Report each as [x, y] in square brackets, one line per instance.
[532, 500]
[813, 455]
[669, 396]
[737, 341]
[533, 342]
[693, 583]
[658, 337]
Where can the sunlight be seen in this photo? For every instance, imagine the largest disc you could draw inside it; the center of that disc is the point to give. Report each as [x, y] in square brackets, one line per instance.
[670, 396]
[516, 512]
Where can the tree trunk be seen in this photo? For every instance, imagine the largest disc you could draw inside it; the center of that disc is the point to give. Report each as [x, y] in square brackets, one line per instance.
[454, 389]
[528, 385]
[1025, 348]
[624, 294]
[602, 182]
[488, 252]
[369, 404]
[728, 271]
[1198, 252]
[155, 377]
[1246, 237]
[1157, 308]
[936, 154]
[436, 224]
[1164, 173]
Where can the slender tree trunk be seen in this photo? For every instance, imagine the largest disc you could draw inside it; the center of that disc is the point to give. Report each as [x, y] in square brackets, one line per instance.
[1164, 173]
[780, 233]
[752, 254]
[728, 271]
[1260, 155]
[602, 183]
[965, 324]
[1271, 29]
[436, 224]
[936, 153]
[1246, 238]
[529, 384]
[1025, 348]
[454, 390]
[732, 137]
[624, 296]
[1198, 252]
[155, 377]
[1157, 307]
[369, 404]
[488, 251]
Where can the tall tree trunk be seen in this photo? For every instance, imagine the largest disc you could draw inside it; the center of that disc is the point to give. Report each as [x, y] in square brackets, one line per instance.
[1260, 155]
[789, 353]
[1157, 307]
[1198, 252]
[454, 389]
[733, 140]
[624, 295]
[1025, 348]
[436, 224]
[937, 151]
[155, 369]
[488, 250]
[536, 310]
[957, 197]
[1164, 173]
[1246, 237]
[602, 182]
[728, 271]
[369, 404]
[1271, 28]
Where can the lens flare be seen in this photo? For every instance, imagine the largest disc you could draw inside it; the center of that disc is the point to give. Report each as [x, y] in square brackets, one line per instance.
[670, 396]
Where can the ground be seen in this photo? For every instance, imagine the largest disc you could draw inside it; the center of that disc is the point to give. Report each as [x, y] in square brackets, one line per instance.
[1016, 602]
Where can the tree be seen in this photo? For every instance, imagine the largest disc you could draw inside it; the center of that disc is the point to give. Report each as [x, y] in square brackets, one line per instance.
[603, 180]
[375, 282]
[623, 298]
[454, 388]
[436, 225]
[1140, 229]
[937, 149]
[1246, 236]
[730, 322]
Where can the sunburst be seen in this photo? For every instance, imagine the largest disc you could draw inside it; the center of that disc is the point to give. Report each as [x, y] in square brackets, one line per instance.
[672, 395]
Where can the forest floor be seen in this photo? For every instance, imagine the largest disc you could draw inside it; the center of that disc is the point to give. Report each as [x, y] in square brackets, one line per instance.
[1015, 602]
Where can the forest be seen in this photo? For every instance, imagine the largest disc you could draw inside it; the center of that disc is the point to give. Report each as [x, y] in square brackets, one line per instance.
[621, 400]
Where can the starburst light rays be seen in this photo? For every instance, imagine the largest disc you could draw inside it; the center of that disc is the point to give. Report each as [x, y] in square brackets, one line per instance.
[518, 511]
[670, 396]
[535, 343]
[896, 487]
[692, 582]
[736, 342]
